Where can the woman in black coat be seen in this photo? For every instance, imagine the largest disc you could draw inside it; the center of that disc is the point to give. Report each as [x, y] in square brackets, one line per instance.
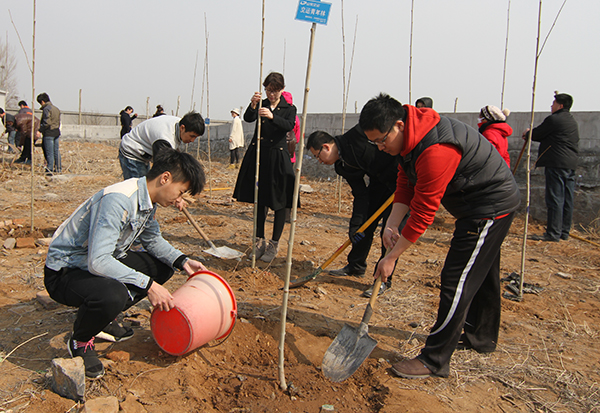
[276, 176]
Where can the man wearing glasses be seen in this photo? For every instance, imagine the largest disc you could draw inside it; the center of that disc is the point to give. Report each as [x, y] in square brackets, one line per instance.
[446, 161]
[371, 175]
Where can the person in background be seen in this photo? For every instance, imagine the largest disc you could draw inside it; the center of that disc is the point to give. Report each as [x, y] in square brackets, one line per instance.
[50, 133]
[492, 125]
[276, 176]
[127, 119]
[236, 139]
[558, 136]
[424, 102]
[159, 111]
[443, 160]
[90, 265]
[371, 175]
[139, 146]
[9, 123]
[23, 119]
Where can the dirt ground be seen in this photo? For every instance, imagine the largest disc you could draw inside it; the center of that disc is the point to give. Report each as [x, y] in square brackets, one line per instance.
[547, 358]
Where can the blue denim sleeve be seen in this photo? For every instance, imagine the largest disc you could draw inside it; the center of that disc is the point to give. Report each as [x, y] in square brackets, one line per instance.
[156, 245]
[109, 223]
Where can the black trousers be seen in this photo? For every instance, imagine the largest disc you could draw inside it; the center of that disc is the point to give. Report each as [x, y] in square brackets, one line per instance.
[357, 257]
[470, 292]
[101, 299]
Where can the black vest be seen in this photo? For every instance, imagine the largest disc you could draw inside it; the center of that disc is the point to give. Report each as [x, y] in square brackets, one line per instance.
[483, 186]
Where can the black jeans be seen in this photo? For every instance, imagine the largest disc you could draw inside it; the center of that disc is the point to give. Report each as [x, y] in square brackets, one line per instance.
[560, 190]
[470, 292]
[101, 299]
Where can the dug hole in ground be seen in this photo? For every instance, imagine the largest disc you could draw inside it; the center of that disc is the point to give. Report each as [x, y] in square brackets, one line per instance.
[546, 361]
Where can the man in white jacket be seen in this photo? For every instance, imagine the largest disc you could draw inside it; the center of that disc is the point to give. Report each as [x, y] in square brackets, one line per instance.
[139, 146]
[236, 139]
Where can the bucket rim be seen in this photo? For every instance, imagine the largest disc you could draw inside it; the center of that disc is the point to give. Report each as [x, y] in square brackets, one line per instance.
[229, 290]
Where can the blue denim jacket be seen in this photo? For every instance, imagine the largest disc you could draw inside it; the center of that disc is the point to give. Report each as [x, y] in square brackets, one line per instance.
[103, 229]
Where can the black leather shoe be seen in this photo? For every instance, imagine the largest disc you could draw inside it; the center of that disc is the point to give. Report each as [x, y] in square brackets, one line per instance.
[347, 272]
[544, 237]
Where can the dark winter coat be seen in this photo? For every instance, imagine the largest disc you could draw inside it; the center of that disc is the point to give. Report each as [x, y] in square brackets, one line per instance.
[359, 158]
[558, 136]
[276, 176]
[126, 121]
[23, 124]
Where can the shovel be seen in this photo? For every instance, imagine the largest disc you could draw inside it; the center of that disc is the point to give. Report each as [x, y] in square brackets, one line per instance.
[351, 346]
[220, 252]
[298, 282]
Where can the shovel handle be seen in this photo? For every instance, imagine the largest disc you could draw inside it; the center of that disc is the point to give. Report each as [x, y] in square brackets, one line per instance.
[195, 225]
[362, 228]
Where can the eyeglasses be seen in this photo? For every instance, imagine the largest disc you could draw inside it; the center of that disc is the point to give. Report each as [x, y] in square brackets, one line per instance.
[319, 154]
[272, 91]
[381, 141]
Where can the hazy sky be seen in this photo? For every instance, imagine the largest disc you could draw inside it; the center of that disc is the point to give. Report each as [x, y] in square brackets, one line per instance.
[121, 52]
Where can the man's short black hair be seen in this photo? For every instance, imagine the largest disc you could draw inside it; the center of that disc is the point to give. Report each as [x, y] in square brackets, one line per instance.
[381, 113]
[22, 103]
[183, 167]
[317, 139]
[564, 99]
[128, 108]
[193, 122]
[43, 97]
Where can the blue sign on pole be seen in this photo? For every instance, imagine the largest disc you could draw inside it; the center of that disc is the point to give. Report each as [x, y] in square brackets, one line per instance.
[207, 121]
[313, 11]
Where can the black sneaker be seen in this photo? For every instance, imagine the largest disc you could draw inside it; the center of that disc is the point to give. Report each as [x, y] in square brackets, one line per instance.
[347, 272]
[545, 237]
[384, 287]
[115, 333]
[93, 366]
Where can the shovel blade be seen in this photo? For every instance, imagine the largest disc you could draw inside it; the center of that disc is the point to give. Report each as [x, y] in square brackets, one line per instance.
[347, 352]
[300, 281]
[224, 252]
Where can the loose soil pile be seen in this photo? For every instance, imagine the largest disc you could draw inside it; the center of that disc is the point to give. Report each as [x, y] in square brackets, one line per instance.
[547, 359]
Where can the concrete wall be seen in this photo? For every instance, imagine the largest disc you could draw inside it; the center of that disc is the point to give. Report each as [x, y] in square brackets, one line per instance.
[587, 199]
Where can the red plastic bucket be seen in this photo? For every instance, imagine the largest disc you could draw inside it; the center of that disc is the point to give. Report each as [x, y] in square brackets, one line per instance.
[205, 310]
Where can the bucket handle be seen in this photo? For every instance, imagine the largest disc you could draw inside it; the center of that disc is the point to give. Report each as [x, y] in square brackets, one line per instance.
[224, 339]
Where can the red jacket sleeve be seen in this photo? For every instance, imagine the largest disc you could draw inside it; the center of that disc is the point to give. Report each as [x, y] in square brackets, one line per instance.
[435, 168]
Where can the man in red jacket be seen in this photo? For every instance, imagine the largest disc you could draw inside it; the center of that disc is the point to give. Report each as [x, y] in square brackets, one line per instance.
[442, 160]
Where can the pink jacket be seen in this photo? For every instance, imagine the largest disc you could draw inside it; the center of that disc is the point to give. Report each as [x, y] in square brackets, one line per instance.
[288, 98]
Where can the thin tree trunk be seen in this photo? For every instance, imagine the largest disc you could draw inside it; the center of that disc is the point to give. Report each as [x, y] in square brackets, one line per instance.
[208, 112]
[528, 162]
[538, 52]
[298, 166]
[505, 56]
[33, 131]
[258, 131]
[194, 83]
[412, 12]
